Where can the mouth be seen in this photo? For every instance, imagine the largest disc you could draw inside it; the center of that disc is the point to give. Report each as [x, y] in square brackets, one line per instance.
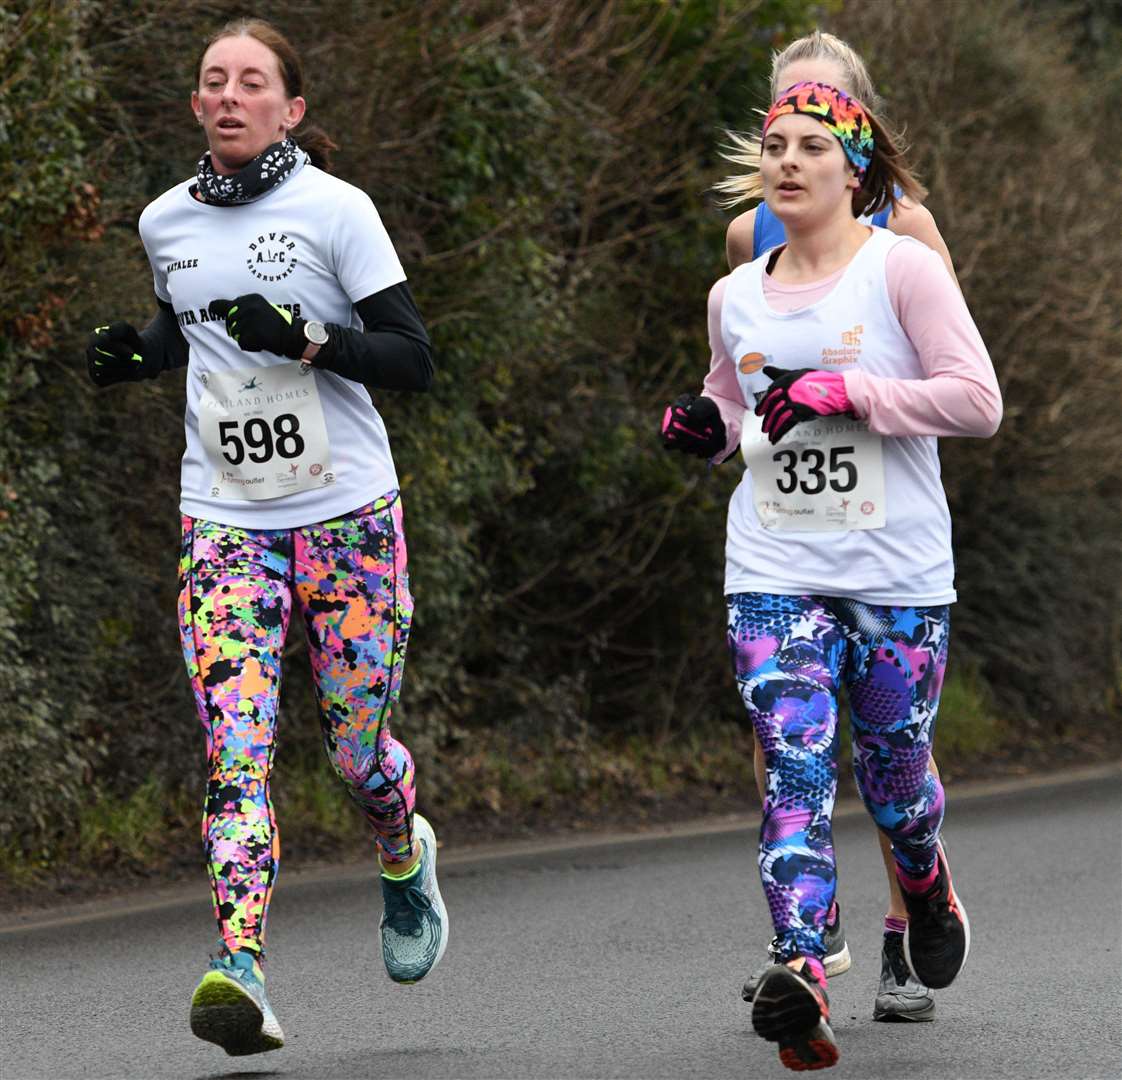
[790, 185]
[229, 123]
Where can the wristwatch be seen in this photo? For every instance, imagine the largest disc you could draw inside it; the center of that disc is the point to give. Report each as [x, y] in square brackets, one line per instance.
[315, 333]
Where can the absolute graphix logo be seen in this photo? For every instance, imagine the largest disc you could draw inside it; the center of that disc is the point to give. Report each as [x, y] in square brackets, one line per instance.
[272, 256]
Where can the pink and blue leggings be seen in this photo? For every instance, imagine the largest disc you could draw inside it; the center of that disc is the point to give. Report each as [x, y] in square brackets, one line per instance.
[348, 579]
[792, 655]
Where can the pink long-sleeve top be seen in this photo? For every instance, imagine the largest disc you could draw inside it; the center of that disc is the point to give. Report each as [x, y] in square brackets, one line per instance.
[959, 394]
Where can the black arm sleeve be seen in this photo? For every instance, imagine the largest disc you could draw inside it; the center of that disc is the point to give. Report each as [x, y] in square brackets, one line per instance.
[164, 341]
[391, 352]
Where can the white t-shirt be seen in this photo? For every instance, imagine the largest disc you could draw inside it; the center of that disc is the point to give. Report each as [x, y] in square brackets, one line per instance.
[315, 245]
[907, 561]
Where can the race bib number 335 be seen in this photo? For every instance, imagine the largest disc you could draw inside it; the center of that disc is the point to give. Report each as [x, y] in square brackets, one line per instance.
[825, 476]
[263, 432]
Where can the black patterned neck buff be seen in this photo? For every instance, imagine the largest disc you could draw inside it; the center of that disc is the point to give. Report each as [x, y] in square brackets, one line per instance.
[271, 167]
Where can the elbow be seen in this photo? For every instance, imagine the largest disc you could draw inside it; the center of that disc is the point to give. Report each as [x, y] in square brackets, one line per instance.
[426, 372]
[990, 413]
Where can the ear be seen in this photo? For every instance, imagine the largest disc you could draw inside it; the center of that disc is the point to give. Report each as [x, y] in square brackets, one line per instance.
[297, 106]
[196, 107]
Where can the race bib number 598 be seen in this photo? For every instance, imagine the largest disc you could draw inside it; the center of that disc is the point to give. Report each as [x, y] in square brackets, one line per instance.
[824, 476]
[264, 433]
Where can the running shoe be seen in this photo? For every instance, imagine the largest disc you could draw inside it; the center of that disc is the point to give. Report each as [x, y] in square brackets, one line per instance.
[937, 940]
[900, 995]
[791, 1008]
[229, 1007]
[837, 960]
[414, 921]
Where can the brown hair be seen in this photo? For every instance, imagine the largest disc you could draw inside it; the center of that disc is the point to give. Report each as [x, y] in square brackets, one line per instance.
[887, 179]
[314, 141]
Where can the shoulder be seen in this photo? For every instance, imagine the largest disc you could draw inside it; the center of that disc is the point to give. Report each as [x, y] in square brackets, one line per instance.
[717, 292]
[740, 239]
[913, 219]
[333, 188]
[163, 205]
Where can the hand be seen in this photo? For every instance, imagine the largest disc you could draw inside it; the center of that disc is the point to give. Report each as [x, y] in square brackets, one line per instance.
[258, 326]
[795, 396]
[693, 425]
[115, 353]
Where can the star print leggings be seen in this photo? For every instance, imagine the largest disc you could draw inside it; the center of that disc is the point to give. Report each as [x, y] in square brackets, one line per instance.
[791, 656]
[349, 581]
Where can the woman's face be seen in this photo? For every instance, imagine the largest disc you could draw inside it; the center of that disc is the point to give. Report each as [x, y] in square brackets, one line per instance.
[829, 72]
[241, 101]
[806, 175]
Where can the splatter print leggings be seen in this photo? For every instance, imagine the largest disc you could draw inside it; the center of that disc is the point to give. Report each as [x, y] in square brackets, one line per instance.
[791, 656]
[348, 579]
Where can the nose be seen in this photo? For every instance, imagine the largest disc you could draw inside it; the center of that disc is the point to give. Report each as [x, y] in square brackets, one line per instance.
[229, 91]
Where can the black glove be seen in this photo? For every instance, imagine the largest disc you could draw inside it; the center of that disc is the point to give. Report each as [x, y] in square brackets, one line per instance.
[115, 353]
[693, 425]
[258, 326]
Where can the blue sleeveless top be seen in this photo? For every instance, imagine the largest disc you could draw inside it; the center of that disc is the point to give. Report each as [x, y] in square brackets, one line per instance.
[769, 231]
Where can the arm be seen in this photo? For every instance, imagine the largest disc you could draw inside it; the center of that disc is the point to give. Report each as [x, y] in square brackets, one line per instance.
[721, 384]
[740, 240]
[391, 352]
[914, 219]
[959, 394]
[165, 347]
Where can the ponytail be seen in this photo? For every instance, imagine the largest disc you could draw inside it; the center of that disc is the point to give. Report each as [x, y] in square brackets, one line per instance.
[318, 145]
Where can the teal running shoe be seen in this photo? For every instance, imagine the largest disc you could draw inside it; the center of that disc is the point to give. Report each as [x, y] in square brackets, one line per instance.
[229, 1007]
[414, 923]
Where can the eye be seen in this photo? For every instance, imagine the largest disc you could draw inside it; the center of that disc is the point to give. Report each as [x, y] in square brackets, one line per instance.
[252, 84]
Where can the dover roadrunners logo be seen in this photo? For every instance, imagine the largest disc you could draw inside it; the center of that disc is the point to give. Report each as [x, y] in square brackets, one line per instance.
[272, 256]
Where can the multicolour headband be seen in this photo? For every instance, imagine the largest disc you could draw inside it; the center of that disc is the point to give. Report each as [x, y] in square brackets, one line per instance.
[844, 116]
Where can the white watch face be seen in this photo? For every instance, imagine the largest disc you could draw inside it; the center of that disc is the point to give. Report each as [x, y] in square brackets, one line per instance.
[316, 333]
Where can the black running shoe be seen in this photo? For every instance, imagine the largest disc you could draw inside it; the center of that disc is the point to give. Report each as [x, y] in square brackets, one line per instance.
[937, 940]
[792, 1009]
[900, 995]
[837, 960]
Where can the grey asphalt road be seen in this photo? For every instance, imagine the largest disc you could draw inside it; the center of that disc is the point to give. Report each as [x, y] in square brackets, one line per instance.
[617, 958]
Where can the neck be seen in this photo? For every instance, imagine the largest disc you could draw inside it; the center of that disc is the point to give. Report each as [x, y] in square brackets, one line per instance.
[816, 249]
[228, 168]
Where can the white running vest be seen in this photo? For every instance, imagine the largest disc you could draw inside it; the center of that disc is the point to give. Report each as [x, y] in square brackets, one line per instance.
[315, 245]
[817, 528]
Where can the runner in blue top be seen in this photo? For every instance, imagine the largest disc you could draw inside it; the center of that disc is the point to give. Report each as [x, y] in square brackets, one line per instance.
[825, 58]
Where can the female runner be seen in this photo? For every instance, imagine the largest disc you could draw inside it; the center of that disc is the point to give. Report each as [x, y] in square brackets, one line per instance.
[821, 57]
[856, 349]
[278, 287]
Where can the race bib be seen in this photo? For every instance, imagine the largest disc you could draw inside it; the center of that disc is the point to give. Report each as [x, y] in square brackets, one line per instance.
[825, 475]
[263, 432]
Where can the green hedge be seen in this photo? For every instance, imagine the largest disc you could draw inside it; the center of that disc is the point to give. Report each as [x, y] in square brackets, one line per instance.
[544, 172]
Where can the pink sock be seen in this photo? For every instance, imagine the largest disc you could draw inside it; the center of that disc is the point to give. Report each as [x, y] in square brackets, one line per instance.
[918, 885]
[815, 968]
[893, 925]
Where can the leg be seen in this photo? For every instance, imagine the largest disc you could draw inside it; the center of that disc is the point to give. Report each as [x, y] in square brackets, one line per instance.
[788, 653]
[233, 609]
[899, 659]
[896, 909]
[353, 589]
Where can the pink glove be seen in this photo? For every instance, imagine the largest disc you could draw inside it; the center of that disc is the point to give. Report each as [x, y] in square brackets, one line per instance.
[795, 396]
